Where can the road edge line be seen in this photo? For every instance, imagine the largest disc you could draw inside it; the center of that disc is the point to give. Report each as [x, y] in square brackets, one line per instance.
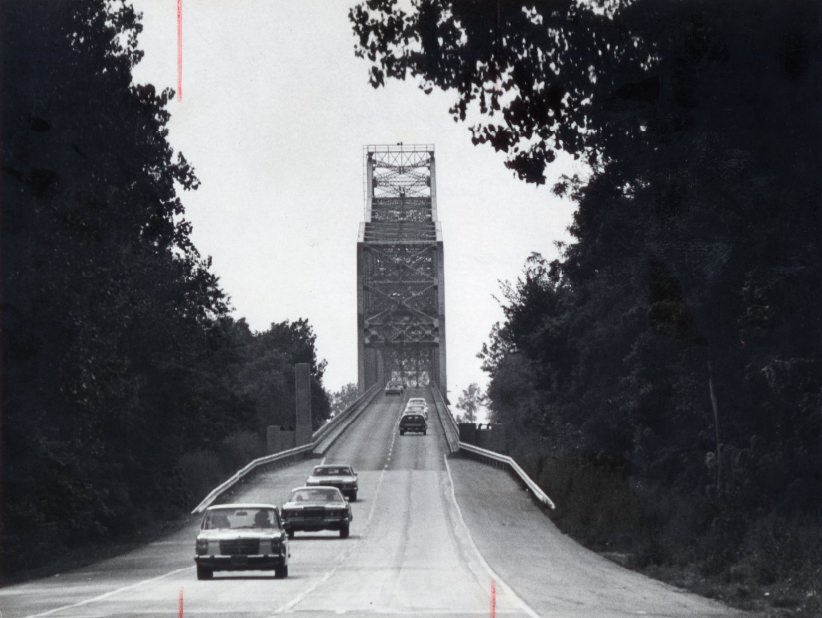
[105, 595]
[501, 583]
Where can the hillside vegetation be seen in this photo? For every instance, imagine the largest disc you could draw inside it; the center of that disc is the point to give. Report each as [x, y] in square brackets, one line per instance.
[128, 391]
[663, 379]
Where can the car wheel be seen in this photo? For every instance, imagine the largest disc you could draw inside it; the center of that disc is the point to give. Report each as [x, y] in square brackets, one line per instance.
[204, 572]
[281, 572]
[353, 496]
[290, 533]
[344, 532]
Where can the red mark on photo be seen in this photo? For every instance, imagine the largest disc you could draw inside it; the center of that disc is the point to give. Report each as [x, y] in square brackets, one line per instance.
[181, 604]
[493, 599]
[179, 50]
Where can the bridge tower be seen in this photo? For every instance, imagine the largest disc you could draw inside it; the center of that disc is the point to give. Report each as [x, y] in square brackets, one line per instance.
[400, 286]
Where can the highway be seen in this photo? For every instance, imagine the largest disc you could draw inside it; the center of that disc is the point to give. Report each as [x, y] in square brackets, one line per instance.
[431, 536]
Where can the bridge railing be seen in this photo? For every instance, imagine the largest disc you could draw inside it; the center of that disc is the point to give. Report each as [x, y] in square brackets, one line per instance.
[449, 425]
[321, 438]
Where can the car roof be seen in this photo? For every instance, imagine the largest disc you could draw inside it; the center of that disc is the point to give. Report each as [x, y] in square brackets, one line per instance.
[325, 466]
[241, 505]
[313, 487]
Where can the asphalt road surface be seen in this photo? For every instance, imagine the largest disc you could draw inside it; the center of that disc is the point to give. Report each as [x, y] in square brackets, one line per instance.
[430, 537]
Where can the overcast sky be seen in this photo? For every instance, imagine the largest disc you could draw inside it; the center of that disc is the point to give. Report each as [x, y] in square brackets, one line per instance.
[275, 111]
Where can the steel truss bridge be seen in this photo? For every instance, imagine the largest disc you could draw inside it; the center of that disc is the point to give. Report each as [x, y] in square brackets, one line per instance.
[400, 287]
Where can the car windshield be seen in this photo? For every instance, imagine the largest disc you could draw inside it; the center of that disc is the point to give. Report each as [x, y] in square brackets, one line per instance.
[319, 494]
[236, 518]
[332, 471]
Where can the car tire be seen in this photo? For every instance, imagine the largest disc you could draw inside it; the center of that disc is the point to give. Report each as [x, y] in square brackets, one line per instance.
[281, 572]
[353, 496]
[402, 433]
[344, 531]
[290, 533]
[204, 572]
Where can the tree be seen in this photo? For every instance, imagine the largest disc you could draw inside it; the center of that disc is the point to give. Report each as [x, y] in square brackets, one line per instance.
[267, 372]
[471, 400]
[679, 335]
[341, 399]
[108, 309]
[125, 382]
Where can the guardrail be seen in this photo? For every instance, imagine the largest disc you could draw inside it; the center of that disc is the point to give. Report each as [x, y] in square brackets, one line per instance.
[505, 459]
[344, 418]
[340, 421]
[449, 425]
[452, 426]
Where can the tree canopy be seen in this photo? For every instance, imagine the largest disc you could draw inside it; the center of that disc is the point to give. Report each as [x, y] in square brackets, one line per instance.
[677, 342]
[471, 400]
[126, 385]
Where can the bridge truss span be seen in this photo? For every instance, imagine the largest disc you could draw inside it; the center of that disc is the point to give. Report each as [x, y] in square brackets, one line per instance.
[400, 292]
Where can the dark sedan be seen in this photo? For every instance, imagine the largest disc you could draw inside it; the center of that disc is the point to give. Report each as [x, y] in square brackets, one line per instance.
[316, 508]
[335, 475]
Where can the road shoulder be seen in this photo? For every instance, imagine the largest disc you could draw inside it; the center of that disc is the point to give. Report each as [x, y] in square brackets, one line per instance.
[551, 572]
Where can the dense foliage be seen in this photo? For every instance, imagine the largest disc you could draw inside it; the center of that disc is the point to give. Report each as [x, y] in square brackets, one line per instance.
[341, 399]
[664, 378]
[126, 387]
[471, 401]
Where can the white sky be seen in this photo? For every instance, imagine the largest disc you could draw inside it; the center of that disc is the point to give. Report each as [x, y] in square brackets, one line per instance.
[275, 112]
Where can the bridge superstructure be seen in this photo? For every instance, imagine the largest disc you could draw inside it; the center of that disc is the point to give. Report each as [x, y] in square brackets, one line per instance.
[400, 284]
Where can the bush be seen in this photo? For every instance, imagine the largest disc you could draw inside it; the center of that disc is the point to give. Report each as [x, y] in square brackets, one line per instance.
[200, 471]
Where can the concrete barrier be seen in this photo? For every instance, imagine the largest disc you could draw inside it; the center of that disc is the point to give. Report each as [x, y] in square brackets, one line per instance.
[323, 437]
[452, 433]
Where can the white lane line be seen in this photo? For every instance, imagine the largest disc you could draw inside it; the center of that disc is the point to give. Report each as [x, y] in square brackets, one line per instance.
[343, 561]
[425, 612]
[109, 593]
[501, 583]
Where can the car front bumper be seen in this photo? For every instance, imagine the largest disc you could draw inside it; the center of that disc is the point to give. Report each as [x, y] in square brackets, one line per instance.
[255, 562]
[314, 524]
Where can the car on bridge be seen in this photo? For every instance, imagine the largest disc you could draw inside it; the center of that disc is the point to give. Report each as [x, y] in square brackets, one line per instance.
[241, 537]
[417, 404]
[413, 421]
[341, 476]
[394, 387]
[416, 410]
[316, 508]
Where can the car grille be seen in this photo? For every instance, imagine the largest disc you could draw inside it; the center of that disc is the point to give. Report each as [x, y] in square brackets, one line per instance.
[239, 547]
[314, 513]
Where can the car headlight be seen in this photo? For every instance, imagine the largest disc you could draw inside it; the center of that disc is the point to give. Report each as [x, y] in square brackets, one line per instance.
[202, 546]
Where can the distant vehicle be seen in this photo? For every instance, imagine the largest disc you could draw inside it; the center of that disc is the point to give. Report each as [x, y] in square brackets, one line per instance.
[316, 508]
[417, 408]
[413, 421]
[335, 475]
[394, 388]
[417, 404]
[241, 537]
